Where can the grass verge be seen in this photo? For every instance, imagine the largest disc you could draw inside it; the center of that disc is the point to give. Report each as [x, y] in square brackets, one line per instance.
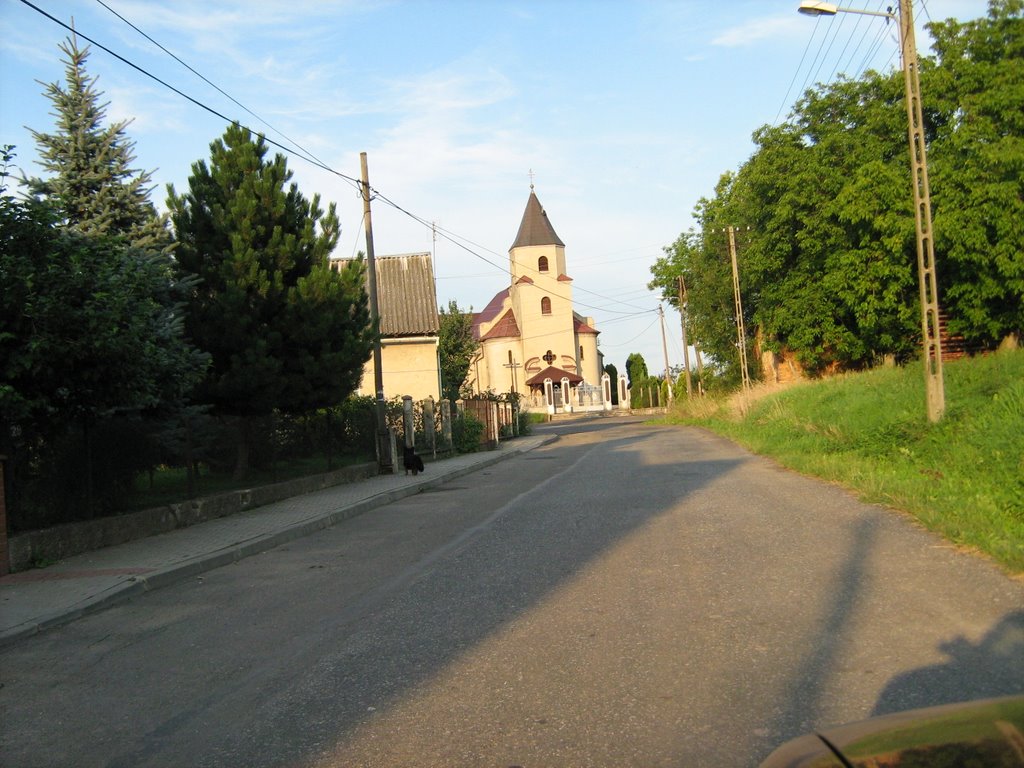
[962, 477]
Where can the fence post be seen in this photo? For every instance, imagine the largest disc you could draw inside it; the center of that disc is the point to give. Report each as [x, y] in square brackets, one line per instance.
[446, 423]
[408, 424]
[494, 431]
[549, 397]
[428, 425]
[623, 392]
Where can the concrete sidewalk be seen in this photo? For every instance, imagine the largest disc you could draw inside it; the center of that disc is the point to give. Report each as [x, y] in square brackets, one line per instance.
[31, 601]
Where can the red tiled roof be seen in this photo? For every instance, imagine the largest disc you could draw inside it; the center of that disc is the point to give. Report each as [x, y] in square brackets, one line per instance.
[581, 326]
[555, 374]
[504, 328]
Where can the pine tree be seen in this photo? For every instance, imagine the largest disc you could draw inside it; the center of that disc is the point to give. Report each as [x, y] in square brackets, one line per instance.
[285, 331]
[93, 186]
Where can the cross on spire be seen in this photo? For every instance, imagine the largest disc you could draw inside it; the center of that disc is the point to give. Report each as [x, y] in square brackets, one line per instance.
[531, 179]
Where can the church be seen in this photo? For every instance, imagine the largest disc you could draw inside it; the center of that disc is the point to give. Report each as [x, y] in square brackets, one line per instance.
[529, 332]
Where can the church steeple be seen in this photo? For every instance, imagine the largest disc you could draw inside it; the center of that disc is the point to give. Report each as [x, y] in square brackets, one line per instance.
[535, 228]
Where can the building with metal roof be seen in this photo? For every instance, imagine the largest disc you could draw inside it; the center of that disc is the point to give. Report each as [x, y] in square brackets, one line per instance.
[407, 303]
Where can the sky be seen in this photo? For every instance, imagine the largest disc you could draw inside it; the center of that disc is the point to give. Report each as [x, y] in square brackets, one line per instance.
[623, 115]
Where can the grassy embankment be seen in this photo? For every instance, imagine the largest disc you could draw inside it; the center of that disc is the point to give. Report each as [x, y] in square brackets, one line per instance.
[962, 477]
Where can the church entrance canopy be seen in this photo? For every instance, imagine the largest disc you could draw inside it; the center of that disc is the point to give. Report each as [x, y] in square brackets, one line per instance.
[556, 375]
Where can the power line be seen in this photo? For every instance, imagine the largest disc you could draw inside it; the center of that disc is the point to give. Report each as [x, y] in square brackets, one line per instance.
[301, 154]
[184, 95]
[308, 155]
[785, 99]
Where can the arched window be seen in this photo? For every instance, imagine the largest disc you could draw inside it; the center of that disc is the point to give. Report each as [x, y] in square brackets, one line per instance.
[542, 264]
[545, 306]
[581, 353]
[510, 357]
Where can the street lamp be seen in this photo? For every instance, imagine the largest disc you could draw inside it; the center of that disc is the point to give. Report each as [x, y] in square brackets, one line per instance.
[930, 332]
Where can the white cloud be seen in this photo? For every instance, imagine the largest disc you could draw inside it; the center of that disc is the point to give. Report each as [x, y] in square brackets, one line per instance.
[761, 29]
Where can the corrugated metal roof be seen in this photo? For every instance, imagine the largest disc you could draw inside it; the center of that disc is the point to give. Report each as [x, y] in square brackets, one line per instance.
[535, 229]
[406, 297]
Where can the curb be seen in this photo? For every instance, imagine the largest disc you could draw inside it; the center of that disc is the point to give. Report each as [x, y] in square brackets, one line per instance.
[211, 560]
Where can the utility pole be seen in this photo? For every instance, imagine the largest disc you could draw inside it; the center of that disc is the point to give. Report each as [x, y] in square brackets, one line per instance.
[514, 366]
[741, 334]
[384, 459]
[664, 348]
[931, 335]
[686, 348]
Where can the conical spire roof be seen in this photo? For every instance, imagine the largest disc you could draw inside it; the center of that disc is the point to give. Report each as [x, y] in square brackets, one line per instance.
[535, 228]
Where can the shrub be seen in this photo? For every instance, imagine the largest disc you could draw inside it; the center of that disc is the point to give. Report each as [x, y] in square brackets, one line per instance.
[466, 433]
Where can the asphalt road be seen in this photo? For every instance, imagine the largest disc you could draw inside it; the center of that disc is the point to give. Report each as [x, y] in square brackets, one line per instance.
[626, 596]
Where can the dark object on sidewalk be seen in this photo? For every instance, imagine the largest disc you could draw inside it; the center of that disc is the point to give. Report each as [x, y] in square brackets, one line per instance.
[412, 461]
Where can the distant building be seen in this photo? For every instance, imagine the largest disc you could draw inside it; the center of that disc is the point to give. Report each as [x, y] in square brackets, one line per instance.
[529, 331]
[409, 325]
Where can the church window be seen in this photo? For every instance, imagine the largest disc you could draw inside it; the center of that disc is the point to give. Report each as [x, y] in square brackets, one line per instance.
[510, 357]
[545, 306]
[542, 264]
[581, 353]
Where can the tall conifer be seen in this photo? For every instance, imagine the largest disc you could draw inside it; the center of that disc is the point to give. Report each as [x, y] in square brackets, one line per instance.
[285, 331]
[93, 186]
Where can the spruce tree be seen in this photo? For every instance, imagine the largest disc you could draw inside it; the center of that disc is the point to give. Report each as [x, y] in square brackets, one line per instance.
[285, 331]
[93, 186]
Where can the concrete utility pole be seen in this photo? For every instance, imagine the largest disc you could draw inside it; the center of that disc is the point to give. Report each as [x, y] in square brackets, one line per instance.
[741, 334]
[931, 335]
[664, 348]
[686, 348]
[384, 459]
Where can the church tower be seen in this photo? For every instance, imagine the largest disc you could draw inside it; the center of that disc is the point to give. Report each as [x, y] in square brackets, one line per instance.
[529, 331]
[541, 293]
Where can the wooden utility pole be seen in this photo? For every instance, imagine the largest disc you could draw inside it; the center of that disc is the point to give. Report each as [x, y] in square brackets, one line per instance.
[385, 464]
[664, 348]
[686, 347]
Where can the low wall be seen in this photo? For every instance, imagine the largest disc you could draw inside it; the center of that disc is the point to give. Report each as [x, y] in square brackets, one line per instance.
[62, 541]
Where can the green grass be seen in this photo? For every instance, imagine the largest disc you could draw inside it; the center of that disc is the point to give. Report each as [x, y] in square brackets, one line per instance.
[962, 477]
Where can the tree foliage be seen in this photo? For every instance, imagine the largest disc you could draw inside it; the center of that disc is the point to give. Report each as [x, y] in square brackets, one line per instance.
[87, 325]
[823, 213]
[636, 368]
[285, 330]
[91, 339]
[93, 187]
[456, 348]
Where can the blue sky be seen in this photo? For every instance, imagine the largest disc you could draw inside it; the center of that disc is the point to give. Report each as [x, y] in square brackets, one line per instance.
[627, 113]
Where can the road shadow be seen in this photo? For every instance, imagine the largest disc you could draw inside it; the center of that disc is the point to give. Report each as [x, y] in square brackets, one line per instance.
[992, 667]
[805, 691]
[470, 594]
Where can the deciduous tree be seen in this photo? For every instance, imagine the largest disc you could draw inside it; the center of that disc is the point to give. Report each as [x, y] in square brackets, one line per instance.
[456, 348]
